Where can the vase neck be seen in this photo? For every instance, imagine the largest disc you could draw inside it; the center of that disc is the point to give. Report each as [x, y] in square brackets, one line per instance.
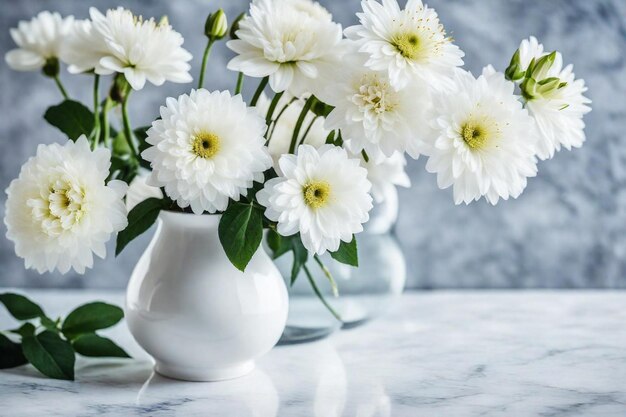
[207, 222]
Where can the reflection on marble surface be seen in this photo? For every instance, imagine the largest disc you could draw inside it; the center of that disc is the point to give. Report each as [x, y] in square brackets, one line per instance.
[501, 354]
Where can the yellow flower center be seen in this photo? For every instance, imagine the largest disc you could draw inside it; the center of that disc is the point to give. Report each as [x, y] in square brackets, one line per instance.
[477, 133]
[408, 44]
[59, 208]
[316, 194]
[205, 145]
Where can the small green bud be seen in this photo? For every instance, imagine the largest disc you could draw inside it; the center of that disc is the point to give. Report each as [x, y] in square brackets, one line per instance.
[164, 21]
[216, 25]
[119, 89]
[542, 66]
[235, 26]
[51, 67]
[514, 72]
[529, 88]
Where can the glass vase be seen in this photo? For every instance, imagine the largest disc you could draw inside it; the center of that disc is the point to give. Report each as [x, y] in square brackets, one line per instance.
[364, 292]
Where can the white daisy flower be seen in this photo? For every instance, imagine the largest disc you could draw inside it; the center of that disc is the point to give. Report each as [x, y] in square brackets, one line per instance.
[286, 115]
[482, 141]
[59, 211]
[321, 194]
[385, 174]
[555, 98]
[38, 41]
[290, 41]
[206, 148]
[140, 49]
[372, 114]
[405, 43]
[139, 190]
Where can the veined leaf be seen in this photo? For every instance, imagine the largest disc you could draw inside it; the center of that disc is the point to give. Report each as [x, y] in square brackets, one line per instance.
[91, 344]
[240, 232]
[51, 355]
[21, 307]
[140, 218]
[91, 317]
[71, 118]
[347, 253]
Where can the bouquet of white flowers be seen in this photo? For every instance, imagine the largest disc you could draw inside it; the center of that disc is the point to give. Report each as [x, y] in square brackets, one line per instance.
[392, 86]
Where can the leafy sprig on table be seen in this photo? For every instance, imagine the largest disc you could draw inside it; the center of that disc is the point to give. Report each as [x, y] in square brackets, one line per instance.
[51, 345]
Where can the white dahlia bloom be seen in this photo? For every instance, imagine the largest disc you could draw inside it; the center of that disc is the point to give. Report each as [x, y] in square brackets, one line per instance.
[321, 194]
[406, 43]
[121, 42]
[291, 41]
[38, 41]
[206, 148]
[139, 190]
[482, 141]
[286, 116]
[385, 174]
[558, 111]
[372, 114]
[60, 211]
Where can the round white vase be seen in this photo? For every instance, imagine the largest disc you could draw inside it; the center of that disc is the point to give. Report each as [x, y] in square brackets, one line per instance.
[198, 316]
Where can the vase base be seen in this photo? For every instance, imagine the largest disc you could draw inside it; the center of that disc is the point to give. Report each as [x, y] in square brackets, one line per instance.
[204, 375]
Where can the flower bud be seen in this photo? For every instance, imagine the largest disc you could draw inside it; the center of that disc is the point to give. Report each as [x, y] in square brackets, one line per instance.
[216, 25]
[164, 21]
[539, 68]
[514, 72]
[51, 67]
[235, 26]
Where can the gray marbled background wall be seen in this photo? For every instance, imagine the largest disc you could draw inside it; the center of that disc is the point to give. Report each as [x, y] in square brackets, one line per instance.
[567, 230]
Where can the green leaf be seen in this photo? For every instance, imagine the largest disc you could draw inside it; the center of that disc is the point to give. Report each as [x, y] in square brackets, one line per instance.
[91, 317]
[10, 353]
[21, 307]
[278, 244]
[51, 355]
[300, 256]
[49, 324]
[91, 344]
[240, 232]
[71, 118]
[141, 133]
[25, 330]
[140, 218]
[347, 253]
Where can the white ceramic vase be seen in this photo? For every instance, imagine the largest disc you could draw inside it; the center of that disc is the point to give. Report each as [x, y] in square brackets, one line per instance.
[193, 311]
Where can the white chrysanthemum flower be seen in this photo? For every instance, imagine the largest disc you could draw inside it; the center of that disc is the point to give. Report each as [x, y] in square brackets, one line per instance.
[38, 41]
[206, 148]
[286, 116]
[140, 49]
[321, 194]
[139, 190]
[290, 41]
[483, 141]
[59, 211]
[385, 174]
[406, 43]
[559, 111]
[372, 114]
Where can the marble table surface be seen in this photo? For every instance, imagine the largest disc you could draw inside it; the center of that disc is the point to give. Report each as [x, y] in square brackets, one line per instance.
[446, 353]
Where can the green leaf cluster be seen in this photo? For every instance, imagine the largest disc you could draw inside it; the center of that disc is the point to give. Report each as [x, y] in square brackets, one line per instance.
[51, 345]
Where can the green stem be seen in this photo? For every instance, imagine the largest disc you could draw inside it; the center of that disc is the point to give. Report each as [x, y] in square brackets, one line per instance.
[280, 113]
[258, 91]
[319, 294]
[326, 271]
[128, 132]
[296, 131]
[270, 111]
[365, 155]
[308, 129]
[59, 84]
[239, 85]
[96, 110]
[205, 59]
[105, 122]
